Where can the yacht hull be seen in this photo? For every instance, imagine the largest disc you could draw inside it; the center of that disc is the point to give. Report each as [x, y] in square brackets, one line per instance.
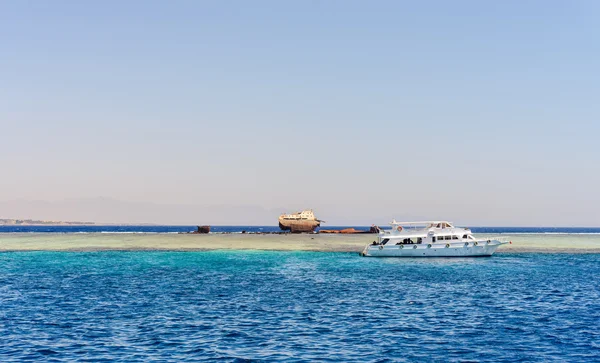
[480, 248]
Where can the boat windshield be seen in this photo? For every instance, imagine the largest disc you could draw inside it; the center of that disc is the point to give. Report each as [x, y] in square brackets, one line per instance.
[440, 225]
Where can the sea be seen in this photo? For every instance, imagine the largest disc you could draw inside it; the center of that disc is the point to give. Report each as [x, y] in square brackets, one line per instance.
[296, 306]
[260, 229]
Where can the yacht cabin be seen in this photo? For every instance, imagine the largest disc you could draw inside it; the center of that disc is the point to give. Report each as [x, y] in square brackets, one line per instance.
[423, 232]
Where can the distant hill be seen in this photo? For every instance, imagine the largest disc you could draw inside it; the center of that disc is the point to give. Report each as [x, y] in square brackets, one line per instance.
[29, 222]
[110, 211]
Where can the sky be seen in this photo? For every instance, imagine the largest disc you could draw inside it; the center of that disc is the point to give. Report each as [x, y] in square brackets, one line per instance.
[482, 113]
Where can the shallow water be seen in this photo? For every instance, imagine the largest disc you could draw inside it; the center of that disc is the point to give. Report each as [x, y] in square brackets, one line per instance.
[297, 306]
[568, 243]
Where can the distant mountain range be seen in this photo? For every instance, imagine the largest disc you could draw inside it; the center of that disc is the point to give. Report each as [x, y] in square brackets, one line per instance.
[34, 222]
[111, 211]
[108, 211]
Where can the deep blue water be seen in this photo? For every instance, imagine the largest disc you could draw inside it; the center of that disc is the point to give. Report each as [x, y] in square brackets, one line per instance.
[297, 306]
[237, 229]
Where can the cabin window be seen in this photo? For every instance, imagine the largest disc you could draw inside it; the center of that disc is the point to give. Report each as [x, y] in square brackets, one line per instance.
[419, 240]
[454, 237]
[385, 240]
[433, 239]
[447, 237]
[465, 236]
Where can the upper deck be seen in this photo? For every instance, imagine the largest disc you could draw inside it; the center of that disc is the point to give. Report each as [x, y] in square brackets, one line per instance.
[304, 215]
[423, 229]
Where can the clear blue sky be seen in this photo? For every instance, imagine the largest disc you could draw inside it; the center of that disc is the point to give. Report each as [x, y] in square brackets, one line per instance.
[478, 112]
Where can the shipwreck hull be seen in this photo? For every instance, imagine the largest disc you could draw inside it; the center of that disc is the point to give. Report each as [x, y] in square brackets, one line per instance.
[298, 226]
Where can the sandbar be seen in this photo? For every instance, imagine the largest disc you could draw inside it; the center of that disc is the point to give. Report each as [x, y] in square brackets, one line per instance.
[560, 243]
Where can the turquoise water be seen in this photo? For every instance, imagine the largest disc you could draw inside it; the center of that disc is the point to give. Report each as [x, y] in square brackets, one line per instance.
[297, 306]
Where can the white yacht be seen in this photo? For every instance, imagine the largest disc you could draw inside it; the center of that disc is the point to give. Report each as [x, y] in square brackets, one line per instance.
[429, 239]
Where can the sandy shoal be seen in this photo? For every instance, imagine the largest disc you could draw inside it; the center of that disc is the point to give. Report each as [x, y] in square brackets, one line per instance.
[284, 242]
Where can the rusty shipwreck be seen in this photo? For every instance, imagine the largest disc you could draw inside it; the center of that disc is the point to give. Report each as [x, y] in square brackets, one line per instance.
[304, 221]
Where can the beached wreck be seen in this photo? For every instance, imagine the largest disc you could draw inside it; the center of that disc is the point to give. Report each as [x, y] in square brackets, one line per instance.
[202, 230]
[304, 221]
